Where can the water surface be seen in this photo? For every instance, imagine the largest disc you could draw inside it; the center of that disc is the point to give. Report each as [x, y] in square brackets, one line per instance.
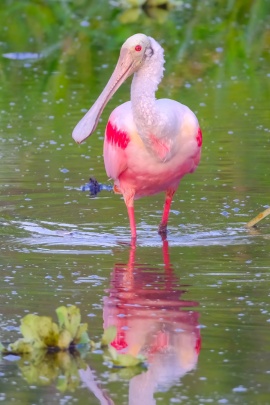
[197, 304]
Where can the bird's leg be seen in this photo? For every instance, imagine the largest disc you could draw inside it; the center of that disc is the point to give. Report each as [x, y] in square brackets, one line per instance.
[129, 200]
[162, 229]
[132, 222]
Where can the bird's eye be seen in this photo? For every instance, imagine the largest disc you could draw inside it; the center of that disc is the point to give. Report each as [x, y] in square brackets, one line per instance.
[138, 48]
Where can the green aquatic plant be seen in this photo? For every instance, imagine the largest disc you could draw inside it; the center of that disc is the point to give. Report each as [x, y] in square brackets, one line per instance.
[51, 353]
[40, 332]
[69, 319]
[59, 368]
[108, 336]
[123, 359]
[115, 358]
[41, 335]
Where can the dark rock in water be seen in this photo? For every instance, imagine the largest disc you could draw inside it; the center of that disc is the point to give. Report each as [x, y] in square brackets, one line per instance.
[94, 186]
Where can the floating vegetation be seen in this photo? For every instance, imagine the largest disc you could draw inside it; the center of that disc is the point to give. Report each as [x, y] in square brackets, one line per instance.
[61, 368]
[48, 349]
[154, 9]
[112, 356]
[258, 218]
[149, 3]
[123, 360]
[40, 332]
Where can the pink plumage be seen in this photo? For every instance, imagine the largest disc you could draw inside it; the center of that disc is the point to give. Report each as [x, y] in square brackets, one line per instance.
[149, 144]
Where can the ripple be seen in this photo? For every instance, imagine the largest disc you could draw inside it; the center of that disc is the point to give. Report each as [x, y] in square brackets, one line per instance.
[61, 238]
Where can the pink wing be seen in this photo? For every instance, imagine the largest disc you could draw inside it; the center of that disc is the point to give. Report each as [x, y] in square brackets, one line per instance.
[115, 144]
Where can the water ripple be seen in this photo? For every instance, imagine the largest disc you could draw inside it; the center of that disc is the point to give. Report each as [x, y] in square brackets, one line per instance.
[60, 238]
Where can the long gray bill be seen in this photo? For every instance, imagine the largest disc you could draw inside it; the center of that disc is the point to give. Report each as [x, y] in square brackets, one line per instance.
[87, 125]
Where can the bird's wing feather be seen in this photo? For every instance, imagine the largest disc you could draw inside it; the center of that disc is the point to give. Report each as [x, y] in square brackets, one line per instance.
[179, 129]
[119, 132]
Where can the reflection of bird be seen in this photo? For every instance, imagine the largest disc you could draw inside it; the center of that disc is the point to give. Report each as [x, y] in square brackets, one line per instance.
[149, 144]
[147, 307]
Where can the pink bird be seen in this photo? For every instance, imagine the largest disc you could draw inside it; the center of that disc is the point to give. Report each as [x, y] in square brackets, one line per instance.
[149, 144]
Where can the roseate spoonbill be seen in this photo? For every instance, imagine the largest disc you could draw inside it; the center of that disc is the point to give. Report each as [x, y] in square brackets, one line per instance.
[149, 144]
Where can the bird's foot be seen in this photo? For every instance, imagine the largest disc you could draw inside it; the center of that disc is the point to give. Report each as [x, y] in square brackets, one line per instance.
[162, 230]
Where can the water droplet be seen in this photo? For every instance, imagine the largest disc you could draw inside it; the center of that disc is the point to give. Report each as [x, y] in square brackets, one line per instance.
[84, 23]
[240, 388]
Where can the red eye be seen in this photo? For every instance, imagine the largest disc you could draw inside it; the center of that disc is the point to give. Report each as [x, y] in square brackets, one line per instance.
[138, 48]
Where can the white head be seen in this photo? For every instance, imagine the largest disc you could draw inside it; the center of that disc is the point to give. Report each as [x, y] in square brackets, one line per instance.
[137, 50]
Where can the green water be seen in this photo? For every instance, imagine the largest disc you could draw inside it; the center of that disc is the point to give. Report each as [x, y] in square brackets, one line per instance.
[210, 286]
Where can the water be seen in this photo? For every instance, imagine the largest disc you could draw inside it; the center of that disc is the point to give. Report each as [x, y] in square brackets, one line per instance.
[197, 306]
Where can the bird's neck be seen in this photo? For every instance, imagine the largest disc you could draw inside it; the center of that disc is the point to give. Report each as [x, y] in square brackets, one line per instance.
[144, 86]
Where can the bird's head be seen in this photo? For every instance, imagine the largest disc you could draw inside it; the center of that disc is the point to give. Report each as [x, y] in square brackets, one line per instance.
[135, 51]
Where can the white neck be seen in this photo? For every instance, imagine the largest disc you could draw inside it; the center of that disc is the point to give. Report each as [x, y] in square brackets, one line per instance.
[144, 85]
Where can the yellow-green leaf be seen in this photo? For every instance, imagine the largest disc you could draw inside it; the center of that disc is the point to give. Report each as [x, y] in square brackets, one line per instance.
[64, 339]
[124, 360]
[109, 335]
[81, 335]
[21, 346]
[69, 318]
[61, 313]
[40, 329]
[27, 327]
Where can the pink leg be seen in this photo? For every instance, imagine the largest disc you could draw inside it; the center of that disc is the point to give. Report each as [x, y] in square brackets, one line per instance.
[132, 221]
[162, 229]
[129, 200]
